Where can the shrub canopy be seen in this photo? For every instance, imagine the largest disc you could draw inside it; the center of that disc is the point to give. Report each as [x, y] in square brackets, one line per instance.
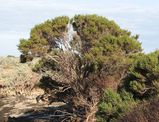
[143, 76]
[43, 37]
[99, 58]
[90, 29]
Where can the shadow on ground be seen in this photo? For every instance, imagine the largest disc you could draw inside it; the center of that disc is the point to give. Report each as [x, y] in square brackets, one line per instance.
[46, 114]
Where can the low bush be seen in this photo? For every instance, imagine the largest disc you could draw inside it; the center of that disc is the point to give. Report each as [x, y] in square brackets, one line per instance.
[113, 105]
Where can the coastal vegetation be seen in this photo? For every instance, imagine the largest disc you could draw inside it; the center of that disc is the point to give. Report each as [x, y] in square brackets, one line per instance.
[97, 69]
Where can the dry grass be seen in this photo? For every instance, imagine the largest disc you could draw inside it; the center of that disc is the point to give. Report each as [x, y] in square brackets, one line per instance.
[13, 73]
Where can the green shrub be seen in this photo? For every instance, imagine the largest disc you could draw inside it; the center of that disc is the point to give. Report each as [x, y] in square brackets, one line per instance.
[143, 76]
[113, 105]
[111, 55]
[106, 52]
[42, 36]
[92, 28]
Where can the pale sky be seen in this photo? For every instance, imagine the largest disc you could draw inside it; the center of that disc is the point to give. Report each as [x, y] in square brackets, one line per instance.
[17, 17]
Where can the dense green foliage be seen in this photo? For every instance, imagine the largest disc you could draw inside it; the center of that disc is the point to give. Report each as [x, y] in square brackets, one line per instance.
[111, 54]
[43, 36]
[108, 68]
[105, 47]
[92, 28]
[143, 76]
[113, 105]
[140, 83]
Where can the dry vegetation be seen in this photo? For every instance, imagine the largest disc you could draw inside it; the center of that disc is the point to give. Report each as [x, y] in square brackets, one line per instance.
[16, 77]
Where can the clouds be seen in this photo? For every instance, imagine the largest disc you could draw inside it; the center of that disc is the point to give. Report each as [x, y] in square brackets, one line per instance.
[19, 16]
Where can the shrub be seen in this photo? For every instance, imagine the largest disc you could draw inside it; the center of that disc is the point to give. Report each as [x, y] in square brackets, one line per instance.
[113, 105]
[143, 76]
[105, 53]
